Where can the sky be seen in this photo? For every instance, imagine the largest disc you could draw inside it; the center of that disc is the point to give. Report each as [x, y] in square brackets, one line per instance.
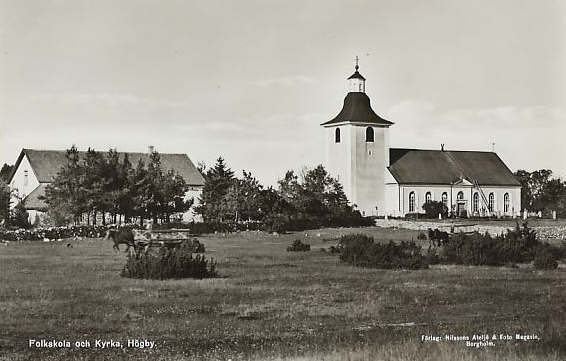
[251, 81]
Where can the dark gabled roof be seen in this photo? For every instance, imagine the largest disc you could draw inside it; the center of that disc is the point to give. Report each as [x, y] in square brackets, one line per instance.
[47, 163]
[356, 75]
[33, 201]
[417, 166]
[357, 108]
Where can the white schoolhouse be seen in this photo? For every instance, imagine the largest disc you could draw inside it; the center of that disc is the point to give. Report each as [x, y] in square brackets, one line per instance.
[35, 169]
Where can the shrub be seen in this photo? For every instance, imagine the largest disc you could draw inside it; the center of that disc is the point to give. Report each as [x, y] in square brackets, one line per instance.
[433, 209]
[55, 233]
[413, 216]
[193, 245]
[276, 223]
[299, 246]
[20, 217]
[169, 263]
[544, 258]
[516, 246]
[432, 256]
[360, 250]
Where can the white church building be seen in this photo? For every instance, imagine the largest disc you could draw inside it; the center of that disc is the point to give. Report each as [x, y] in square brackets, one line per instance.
[381, 180]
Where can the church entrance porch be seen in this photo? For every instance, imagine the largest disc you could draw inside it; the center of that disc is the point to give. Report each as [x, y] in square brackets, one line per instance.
[461, 208]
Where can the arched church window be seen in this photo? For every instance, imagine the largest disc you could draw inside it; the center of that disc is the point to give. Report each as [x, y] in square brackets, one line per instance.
[491, 201]
[428, 197]
[369, 134]
[506, 202]
[476, 202]
[412, 202]
[445, 199]
[460, 195]
[337, 135]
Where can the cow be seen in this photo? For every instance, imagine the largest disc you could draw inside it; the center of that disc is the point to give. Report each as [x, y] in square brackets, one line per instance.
[121, 236]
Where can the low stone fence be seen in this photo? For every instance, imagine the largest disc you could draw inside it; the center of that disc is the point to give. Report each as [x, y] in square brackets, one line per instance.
[443, 226]
[544, 232]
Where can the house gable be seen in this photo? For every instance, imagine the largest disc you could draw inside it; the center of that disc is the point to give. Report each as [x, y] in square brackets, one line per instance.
[23, 179]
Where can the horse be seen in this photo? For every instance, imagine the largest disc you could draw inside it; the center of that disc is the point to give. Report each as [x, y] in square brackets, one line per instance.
[437, 238]
[121, 236]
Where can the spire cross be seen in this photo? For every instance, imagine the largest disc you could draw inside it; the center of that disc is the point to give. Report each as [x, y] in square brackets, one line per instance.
[357, 59]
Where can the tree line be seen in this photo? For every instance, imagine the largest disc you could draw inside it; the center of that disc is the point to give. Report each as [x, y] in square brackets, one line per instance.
[541, 191]
[107, 184]
[309, 199]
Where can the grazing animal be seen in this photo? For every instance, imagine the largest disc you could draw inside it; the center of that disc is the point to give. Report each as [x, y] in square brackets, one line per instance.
[121, 236]
[437, 238]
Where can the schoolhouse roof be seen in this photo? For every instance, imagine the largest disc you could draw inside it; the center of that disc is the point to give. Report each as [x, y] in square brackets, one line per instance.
[47, 163]
[34, 200]
[443, 167]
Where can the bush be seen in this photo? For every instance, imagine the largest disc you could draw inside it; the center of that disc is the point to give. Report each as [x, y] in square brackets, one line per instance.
[299, 246]
[422, 236]
[51, 233]
[360, 250]
[432, 256]
[516, 246]
[169, 263]
[20, 217]
[433, 209]
[544, 258]
[413, 216]
[193, 245]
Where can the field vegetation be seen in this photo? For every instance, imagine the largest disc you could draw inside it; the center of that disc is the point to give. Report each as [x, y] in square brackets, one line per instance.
[270, 304]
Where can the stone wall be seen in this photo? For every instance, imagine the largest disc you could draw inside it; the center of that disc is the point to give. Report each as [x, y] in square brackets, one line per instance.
[544, 232]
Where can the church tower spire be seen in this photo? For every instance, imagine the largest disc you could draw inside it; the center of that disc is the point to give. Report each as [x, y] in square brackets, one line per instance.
[357, 148]
[356, 82]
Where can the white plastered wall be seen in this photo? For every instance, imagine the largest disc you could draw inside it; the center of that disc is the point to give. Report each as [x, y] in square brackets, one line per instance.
[24, 181]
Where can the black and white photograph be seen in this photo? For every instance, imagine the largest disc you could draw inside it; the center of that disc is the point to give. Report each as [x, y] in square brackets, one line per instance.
[337, 180]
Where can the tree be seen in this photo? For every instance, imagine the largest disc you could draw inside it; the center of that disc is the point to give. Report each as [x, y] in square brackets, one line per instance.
[524, 178]
[317, 198]
[173, 189]
[5, 201]
[126, 189]
[6, 172]
[218, 181]
[541, 192]
[434, 208]
[92, 183]
[20, 217]
[66, 195]
[243, 201]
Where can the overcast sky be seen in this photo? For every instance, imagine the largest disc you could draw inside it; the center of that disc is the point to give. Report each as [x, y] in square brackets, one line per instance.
[252, 80]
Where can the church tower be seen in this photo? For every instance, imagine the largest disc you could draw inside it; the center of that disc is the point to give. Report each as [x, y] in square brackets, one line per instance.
[357, 148]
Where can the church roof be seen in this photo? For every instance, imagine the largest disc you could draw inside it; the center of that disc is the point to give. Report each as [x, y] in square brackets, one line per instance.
[417, 166]
[47, 163]
[357, 108]
[356, 75]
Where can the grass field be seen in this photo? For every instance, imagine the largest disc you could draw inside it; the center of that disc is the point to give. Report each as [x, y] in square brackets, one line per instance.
[273, 305]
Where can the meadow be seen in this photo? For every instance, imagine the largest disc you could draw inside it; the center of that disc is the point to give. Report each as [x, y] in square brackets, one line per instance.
[269, 304]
